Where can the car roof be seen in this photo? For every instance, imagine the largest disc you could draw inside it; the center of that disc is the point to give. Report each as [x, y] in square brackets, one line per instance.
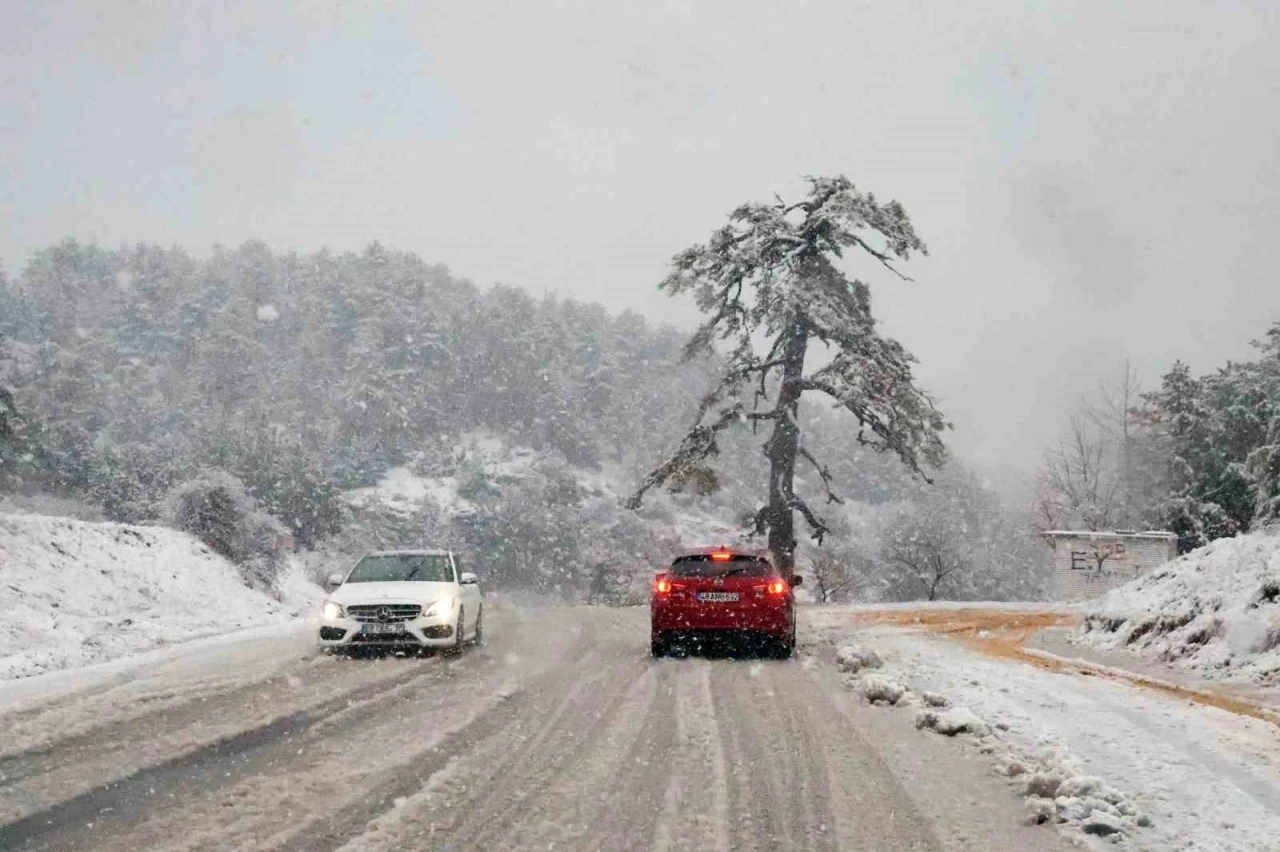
[735, 551]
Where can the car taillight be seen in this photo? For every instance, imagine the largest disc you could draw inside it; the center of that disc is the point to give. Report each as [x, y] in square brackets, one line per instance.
[662, 585]
[777, 587]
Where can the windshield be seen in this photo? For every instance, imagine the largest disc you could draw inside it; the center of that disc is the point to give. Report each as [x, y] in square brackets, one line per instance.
[401, 568]
[738, 565]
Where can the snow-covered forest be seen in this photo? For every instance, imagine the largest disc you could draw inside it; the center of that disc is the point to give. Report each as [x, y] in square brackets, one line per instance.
[154, 386]
[1199, 456]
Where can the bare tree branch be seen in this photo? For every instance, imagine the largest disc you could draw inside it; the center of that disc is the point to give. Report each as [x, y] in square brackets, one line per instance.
[832, 497]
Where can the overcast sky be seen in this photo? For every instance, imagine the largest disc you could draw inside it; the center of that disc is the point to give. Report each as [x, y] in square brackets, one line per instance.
[1096, 181]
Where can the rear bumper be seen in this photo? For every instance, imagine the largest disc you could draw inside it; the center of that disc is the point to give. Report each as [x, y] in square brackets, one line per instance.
[775, 622]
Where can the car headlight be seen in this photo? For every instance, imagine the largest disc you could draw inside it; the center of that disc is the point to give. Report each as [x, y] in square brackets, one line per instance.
[333, 609]
[437, 608]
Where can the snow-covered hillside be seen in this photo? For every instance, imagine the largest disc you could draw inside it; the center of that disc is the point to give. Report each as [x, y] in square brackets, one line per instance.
[410, 488]
[73, 593]
[1215, 610]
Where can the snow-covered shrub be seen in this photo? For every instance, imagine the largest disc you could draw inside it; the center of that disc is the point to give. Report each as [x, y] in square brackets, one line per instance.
[216, 508]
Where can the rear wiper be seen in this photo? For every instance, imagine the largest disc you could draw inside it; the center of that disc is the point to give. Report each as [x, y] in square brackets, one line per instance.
[733, 572]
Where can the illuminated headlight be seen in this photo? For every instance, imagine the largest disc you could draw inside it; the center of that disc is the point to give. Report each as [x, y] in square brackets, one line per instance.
[333, 610]
[437, 609]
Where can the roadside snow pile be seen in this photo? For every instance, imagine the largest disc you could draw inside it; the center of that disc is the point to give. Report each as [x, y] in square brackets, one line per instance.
[1216, 609]
[73, 593]
[1058, 791]
[853, 658]
[957, 720]
[881, 689]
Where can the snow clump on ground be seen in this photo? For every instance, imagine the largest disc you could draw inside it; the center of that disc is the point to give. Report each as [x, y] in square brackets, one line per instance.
[881, 689]
[1058, 791]
[957, 720]
[852, 658]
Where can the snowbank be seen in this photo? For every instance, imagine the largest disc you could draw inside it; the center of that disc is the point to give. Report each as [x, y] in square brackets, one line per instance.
[1101, 758]
[73, 593]
[1216, 610]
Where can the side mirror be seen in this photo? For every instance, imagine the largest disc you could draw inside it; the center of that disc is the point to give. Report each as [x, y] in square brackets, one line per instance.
[333, 581]
[796, 580]
[468, 579]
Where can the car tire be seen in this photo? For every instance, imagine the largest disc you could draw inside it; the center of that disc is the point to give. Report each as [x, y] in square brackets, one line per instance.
[477, 637]
[657, 645]
[458, 631]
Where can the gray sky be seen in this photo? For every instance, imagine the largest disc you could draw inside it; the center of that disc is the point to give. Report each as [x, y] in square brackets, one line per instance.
[1095, 181]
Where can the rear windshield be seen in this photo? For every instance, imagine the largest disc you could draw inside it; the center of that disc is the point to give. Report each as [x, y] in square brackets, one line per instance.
[738, 565]
[403, 567]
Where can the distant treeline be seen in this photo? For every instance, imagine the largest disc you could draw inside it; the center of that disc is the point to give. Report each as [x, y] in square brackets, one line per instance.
[304, 374]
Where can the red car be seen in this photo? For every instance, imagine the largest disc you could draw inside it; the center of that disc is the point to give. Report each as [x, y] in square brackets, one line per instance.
[723, 593]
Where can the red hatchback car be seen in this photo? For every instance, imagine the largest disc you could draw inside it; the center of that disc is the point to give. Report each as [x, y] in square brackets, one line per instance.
[719, 594]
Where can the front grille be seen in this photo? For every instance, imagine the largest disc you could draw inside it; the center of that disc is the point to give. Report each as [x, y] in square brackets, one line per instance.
[385, 638]
[384, 613]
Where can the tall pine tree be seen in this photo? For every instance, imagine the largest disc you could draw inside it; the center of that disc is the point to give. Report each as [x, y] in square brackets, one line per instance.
[770, 274]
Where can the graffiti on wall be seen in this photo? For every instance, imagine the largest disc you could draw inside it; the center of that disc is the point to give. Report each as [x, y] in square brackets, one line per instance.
[1102, 562]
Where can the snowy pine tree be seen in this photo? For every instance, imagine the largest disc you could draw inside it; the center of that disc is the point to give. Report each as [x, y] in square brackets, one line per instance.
[771, 274]
[1264, 470]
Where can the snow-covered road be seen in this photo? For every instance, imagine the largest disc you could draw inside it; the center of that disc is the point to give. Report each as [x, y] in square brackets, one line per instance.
[560, 734]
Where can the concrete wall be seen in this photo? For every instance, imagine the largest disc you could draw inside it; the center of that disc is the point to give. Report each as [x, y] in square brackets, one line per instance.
[1087, 564]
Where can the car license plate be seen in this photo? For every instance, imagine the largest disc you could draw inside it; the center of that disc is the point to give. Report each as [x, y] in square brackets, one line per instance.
[370, 629]
[717, 597]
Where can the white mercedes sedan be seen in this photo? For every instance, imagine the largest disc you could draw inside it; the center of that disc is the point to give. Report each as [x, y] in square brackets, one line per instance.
[403, 599]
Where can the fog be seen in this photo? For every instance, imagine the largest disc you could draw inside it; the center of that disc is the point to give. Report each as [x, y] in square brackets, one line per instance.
[1095, 184]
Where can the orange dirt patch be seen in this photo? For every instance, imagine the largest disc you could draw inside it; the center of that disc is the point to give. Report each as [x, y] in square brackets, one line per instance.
[1005, 633]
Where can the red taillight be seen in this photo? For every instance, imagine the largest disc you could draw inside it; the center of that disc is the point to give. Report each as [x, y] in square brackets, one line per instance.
[662, 585]
[777, 587]
[721, 556]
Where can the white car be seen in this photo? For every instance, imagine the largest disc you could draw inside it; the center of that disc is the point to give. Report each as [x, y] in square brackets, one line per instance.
[405, 599]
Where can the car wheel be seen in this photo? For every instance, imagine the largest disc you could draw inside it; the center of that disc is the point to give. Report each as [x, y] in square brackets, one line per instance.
[657, 645]
[458, 631]
[477, 638]
[782, 648]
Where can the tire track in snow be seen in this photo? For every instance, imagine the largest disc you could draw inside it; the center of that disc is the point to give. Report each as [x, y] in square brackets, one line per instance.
[498, 732]
[111, 752]
[695, 804]
[117, 804]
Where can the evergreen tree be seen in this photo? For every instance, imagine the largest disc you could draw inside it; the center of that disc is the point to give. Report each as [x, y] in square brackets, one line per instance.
[771, 273]
[1180, 419]
[1264, 469]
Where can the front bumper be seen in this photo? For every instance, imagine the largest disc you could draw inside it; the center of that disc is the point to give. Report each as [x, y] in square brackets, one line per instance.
[435, 631]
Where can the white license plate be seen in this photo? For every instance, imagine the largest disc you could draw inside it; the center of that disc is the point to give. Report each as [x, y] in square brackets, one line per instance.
[372, 629]
[717, 597]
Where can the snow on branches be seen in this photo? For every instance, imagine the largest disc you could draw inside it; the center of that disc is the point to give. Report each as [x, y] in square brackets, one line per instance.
[770, 274]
